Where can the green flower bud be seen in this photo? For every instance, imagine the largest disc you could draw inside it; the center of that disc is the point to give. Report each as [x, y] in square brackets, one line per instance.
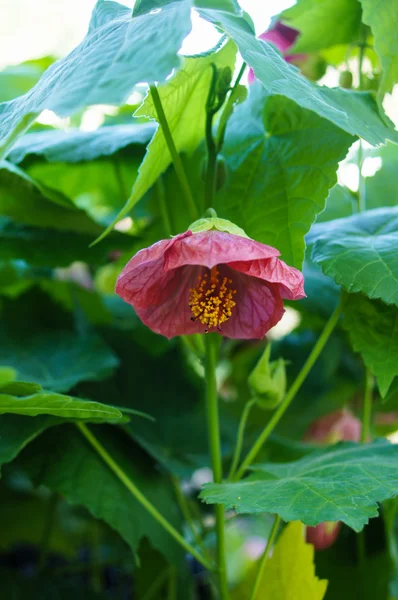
[345, 80]
[268, 381]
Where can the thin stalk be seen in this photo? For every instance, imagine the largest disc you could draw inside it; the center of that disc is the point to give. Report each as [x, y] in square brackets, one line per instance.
[239, 438]
[227, 110]
[163, 207]
[264, 558]
[211, 158]
[296, 385]
[172, 588]
[186, 514]
[211, 344]
[179, 167]
[367, 407]
[138, 495]
[156, 585]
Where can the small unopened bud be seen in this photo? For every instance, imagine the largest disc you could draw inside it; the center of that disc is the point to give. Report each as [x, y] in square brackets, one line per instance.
[268, 381]
[345, 80]
[324, 535]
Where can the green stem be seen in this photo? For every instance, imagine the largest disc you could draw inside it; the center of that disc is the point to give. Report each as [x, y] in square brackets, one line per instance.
[367, 407]
[227, 110]
[156, 585]
[179, 167]
[239, 438]
[139, 496]
[296, 385]
[163, 207]
[211, 158]
[48, 527]
[211, 344]
[264, 558]
[185, 512]
[172, 588]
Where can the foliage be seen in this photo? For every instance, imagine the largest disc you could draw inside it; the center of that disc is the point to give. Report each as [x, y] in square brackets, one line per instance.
[113, 483]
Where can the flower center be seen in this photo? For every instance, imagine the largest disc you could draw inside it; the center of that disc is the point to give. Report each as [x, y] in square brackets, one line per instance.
[211, 301]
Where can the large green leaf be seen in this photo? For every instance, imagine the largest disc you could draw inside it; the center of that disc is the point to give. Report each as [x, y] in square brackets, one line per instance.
[57, 360]
[117, 53]
[16, 432]
[64, 461]
[360, 252]
[184, 100]
[324, 23]
[51, 248]
[280, 171]
[354, 112]
[75, 145]
[18, 79]
[58, 405]
[373, 330]
[340, 203]
[382, 17]
[26, 201]
[340, 483]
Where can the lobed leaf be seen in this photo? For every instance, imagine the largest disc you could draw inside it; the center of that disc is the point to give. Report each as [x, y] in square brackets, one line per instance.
[340, 483]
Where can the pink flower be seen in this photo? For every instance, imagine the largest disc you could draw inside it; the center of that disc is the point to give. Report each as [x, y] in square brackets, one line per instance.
[209, 281]
[336, 426]
[324, 535]
[283, 37]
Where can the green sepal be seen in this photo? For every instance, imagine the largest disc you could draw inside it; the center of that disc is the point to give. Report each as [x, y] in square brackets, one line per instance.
[208, 223]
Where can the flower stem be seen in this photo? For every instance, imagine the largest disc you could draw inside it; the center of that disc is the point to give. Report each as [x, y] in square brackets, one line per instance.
[163, 207]
[211, 159]
[186, 514]
[264, 557]
[211, 344]
[179, 167]
[367, 407]
[139, 496]
[296, 385]
[239, 438]
[227, 110]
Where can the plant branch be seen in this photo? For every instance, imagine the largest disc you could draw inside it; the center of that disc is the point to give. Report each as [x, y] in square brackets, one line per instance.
[227, 110]
[179, 167]
[163, 207]
[211, 158]
[138, 495]
[211, 344]
[239, 438]
[264, 557]
[296, 385]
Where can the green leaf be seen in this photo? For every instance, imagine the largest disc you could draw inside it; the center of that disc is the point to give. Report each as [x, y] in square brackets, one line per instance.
[340, 203]
[183, 100]
[354, 112]
[57, 360]
[373, 330]
[381, 189]
[64, 461]
[280, 171]
[16, 432]
[323, 23]
[52, 248]
[18, 79]
[7, 375]
[290, 572]
[360, 252]
[339, 483]
[58, 405]
[25, 201]
[117, 53]
[382, 17]
[20, 388]
[74, 145]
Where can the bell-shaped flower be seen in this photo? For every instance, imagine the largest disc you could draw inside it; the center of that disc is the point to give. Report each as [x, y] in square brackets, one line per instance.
[209, 281]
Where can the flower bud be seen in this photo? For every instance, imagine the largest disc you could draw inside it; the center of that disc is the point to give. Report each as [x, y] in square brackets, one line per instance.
[334, 427]
[324, 535]
[268, 381]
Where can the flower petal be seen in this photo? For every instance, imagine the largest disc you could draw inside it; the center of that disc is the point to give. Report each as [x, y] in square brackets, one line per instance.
[258, 307]
[290, 281]
[211, 248]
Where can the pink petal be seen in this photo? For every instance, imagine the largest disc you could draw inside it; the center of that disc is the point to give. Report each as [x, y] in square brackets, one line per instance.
[143, 275]
[282, 36]
[258, 307]
[289, 281]
[211, 248]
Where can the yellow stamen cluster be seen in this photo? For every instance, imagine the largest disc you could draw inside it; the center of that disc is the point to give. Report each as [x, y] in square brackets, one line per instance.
[212, 301]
